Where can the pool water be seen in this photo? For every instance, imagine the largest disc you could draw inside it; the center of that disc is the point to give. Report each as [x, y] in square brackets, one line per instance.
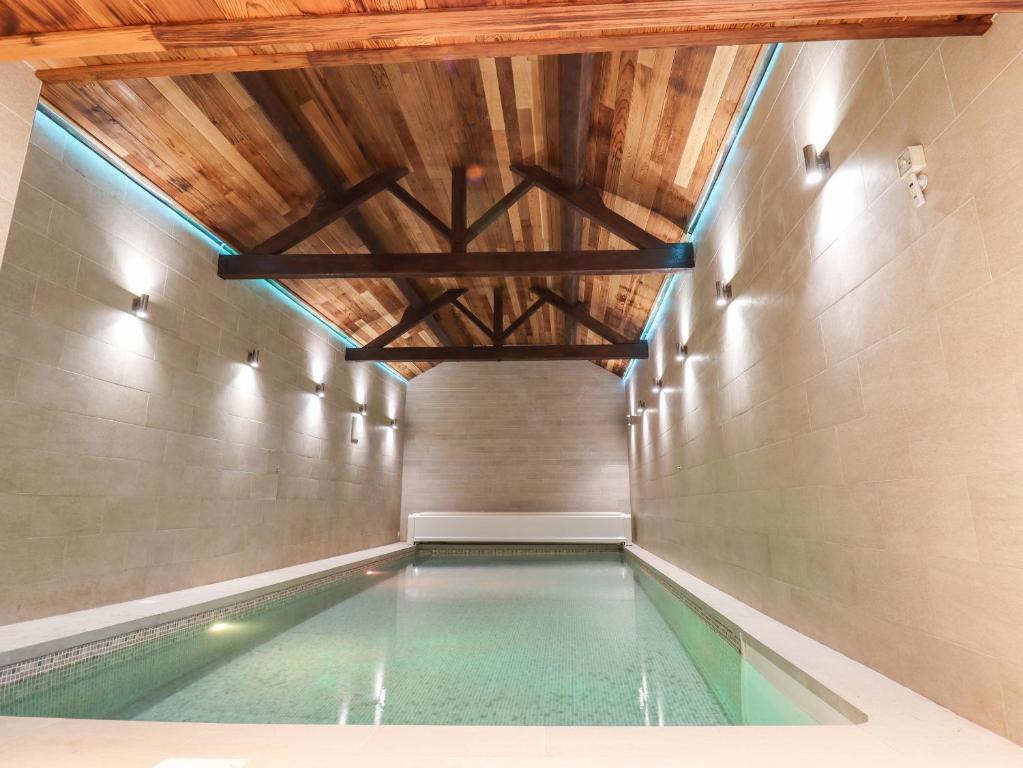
[441, 640]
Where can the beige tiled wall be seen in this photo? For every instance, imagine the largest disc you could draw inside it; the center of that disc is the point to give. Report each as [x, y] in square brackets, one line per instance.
[18, 96]
[844, 448]
[140, 456]
[516, 437]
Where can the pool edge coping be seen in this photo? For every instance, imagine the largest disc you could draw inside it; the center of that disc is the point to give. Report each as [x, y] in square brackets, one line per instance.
[43, 637]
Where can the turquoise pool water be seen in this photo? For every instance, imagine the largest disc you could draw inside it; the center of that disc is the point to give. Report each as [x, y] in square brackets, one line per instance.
[540, 640]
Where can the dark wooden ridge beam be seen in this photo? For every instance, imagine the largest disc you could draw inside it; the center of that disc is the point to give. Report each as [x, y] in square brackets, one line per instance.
[497, 209]
[636, 350]
[265, 95]
[555, 20]
[577, 311]
[329, 209]
[249, 266]
[414, 316]
[575, 92]
[586, 201]
[522, 319]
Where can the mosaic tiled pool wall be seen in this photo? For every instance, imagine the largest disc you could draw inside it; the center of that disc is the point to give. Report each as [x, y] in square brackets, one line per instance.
[31, 687]
[715, 648]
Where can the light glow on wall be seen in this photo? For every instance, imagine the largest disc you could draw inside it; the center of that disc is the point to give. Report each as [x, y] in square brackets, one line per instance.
[711, 191]
[142, 275]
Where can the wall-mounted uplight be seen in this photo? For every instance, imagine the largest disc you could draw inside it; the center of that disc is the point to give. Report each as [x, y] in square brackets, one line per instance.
[140, 305]
[817, 163]
[723, 293]
[253, 358]
[681, 352]
[393, 424]
[641, 406]
[628, 420]
[658, 385]
[321, 390]
[361, 410]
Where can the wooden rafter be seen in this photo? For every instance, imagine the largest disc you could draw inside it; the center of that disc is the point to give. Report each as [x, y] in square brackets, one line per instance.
[586, 200]
[329, 209]
[473, 318]
[512, 22]
[956, 26]
[319, 166]
[420, 210]
[250, 266]
[521, 320]
[577, 311]
[637, 350]
[575, 91]
[495, 211]
[414, 316]
[498, 334]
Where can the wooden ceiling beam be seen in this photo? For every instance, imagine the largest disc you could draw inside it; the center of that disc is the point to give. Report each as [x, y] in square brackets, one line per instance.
[575, 92]
[497, 210]
[485, 329]
[459, 225]
[266, 96]
[587, 201]
[523, 318]
[577, 310]
[498, 316]
[420, 210]
[414, 316]
[543, 17]
[283, 266]
[263, 92]
[404, 54]
[329, 209]
[635, 350]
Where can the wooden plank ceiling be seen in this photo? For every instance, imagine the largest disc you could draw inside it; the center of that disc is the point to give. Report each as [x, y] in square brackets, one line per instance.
[653, 137]
[658, 117]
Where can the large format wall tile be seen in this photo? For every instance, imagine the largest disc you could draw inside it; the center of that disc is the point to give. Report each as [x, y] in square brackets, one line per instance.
[140, 456]
[857, 406]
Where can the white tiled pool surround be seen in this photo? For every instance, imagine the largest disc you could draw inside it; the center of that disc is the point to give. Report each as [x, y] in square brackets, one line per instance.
[903, 729]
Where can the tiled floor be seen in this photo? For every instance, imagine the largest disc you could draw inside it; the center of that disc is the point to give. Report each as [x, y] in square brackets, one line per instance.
[904, 730]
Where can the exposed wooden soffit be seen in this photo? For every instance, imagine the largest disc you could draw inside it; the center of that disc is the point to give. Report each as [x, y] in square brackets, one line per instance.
[537, 28]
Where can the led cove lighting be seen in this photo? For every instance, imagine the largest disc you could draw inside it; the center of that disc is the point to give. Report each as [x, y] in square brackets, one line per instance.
[253, 358]
[47, 117]
[818, 164]
[140, 305]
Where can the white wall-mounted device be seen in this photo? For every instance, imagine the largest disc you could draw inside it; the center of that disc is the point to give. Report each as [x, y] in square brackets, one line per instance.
[911, 164]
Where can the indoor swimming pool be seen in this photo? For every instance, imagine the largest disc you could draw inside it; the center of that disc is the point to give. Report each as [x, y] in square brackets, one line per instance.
[442, 637]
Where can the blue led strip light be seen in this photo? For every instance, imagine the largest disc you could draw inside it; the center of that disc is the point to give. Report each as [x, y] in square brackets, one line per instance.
[662, 300]
[278, 290]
